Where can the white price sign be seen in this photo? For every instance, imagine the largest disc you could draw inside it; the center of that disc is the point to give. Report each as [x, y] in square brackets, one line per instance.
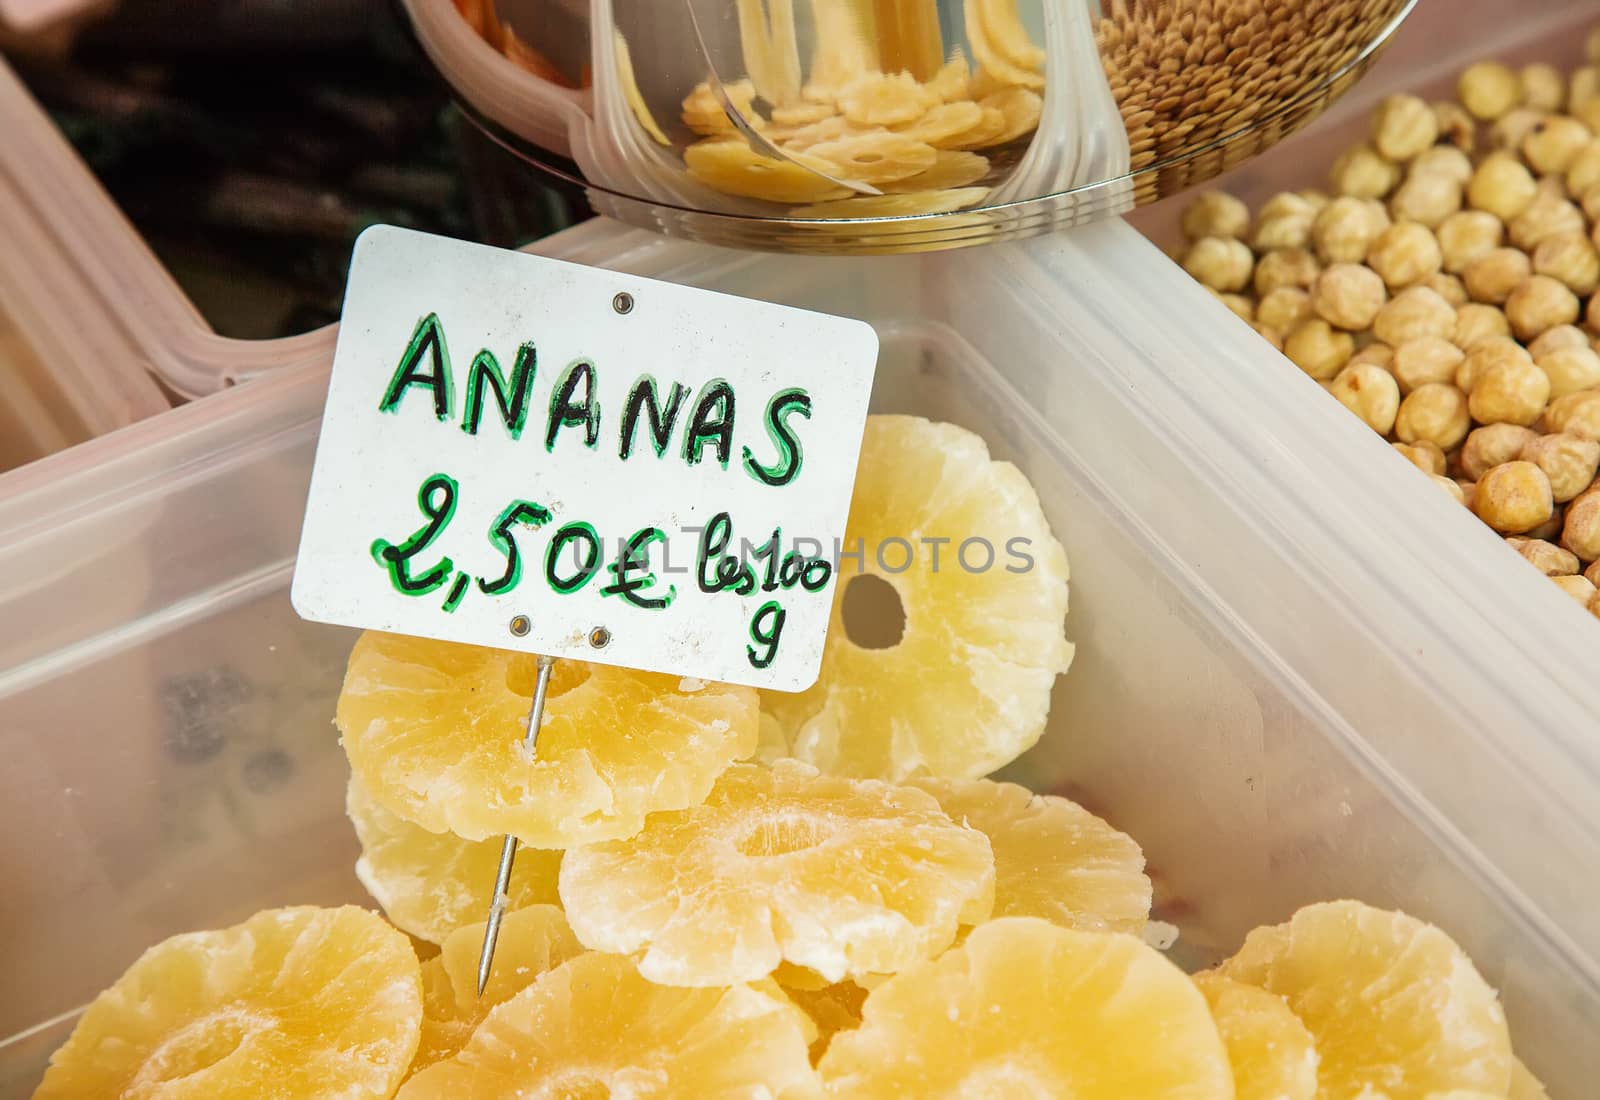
[529, 454]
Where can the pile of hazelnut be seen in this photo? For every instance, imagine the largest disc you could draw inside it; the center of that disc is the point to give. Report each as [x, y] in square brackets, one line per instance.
[1444, 292]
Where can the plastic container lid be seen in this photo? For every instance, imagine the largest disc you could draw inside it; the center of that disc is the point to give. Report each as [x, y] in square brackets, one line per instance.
[68, 370]
[68, 214]
[1279, 689]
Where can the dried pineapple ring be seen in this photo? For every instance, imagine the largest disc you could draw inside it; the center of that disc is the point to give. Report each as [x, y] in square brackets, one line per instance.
[898, 205]
[1395, 1007]
[886, 99]
[431, 884]
[1004, 31]
[772, 869]
[1272, 1054]
[631, 93]
[293, 1002]
[992, 57]
[703, 113]
[1021, 108]
[951, 170]
[592, 1027]
[797, 115]
[946, 121]
[967, 688]
[1028, 1008]
[877, 158]
[814, 133]
[1053, 859]
[952, 82]
[434, 731]
[984, 135]
[734, 168]
[531, 942]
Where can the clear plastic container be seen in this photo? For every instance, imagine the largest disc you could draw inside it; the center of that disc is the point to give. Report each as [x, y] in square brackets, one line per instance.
[54, 214]
[1278, 689]
[68, 371]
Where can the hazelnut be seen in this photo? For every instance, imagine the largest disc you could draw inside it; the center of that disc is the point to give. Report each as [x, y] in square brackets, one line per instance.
[1590, 204]
[1510, 392]
[1427, 199]
[1562, 336]
[1284, 308]
[1543, 87]
[1513, 498]
[1403, 126]
[1345, 229]
[1448, 287]
[1269, 334]
[1425, 456]
[1575, 414]
[1502, 186]
[1475, 321]
[1442, 160]
[1546, 557]
[1349, 296]
[1240, 306]
[1570, 259]
[1488, 90]
[1379, 355]
[1318, 349]
[1363, 173]
[1569, 462]
[1491, 446]
[1436, 413]
[1216, 214]
[1457, 493]
[1468, 235]
[1489, 352]
[1404, 254]
[1371, 393]
[1508, 132]
[1583, 83]
[1428, 359]
[1456, 128]
[1586, 111]
[1540, 303]
[1284, 222]
[1548, 214]
[1549, 148]
[1584, 171]
[1221, 263]
[1286, 267]
[1576, 587]
[1592, 575]
[1570, 369]
[1492, 277]
[1414, 313]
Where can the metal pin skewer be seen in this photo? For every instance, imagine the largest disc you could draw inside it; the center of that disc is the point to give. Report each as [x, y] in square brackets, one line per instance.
[508, 848]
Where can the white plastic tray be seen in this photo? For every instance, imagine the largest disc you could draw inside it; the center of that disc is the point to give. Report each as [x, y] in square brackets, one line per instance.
[1279, 689]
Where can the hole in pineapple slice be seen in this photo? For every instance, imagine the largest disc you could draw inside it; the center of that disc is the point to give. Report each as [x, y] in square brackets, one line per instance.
[874, 617]
[200, 1045]
[781, 835]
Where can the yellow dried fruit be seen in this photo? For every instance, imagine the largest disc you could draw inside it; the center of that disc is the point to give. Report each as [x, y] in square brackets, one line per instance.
[293, 1002]
[1272, 1054]
[1028, 1008]
[594, 1028]
[734, 168]
[905, 710]
[771, 869]
[1052, 858]
[1395, 1007]
[434, 731]
[431, 884]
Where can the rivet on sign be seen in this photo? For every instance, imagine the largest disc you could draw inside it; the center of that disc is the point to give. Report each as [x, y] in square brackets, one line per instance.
[599, 637]
[623, 303]
[520, 625]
